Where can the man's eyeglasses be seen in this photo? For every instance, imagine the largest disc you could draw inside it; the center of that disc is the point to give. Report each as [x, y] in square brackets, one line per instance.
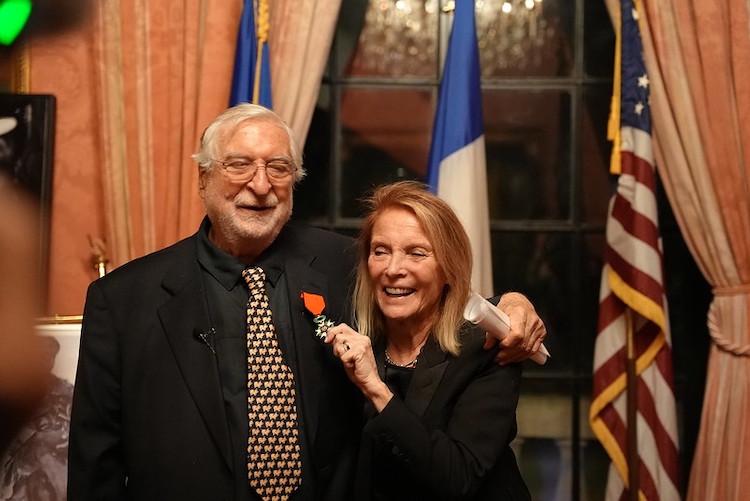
[242, 170]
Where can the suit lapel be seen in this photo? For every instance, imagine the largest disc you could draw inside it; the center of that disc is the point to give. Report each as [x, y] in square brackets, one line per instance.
[301, 277]
[427, 376]
[184, 317]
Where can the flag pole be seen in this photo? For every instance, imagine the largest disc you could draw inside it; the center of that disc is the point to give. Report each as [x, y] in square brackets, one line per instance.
[632, 410]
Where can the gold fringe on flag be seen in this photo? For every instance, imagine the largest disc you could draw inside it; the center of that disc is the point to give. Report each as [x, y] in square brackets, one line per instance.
[613, 126]
[263, 26]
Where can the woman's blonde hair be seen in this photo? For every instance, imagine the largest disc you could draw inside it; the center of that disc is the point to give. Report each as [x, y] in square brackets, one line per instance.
[452, 253]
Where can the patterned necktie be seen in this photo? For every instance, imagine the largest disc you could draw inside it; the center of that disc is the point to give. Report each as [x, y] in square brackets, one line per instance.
[274, 465]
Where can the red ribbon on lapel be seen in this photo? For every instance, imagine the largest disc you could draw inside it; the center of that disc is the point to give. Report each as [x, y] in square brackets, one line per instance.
[315, 303]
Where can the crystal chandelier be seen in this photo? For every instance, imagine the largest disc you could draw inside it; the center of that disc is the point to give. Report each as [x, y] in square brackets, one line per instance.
[512, 35]
[399, 38]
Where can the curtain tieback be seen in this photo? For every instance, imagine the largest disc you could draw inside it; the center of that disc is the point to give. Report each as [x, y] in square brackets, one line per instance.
[720, 341]
[731, 290]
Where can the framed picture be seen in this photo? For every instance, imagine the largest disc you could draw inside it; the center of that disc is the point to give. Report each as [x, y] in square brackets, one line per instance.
[35, 463]
[27, 131]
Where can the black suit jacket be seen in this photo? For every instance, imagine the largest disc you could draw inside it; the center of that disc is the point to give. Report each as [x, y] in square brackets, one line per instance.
[449, 437]
[148, 418]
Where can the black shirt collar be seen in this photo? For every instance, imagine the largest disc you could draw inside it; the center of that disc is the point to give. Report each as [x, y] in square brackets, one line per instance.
[227, 269]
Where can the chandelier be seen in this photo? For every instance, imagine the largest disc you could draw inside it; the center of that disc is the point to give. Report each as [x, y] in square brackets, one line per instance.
[399, 38]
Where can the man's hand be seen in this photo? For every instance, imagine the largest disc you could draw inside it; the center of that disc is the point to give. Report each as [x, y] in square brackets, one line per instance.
[527, 331]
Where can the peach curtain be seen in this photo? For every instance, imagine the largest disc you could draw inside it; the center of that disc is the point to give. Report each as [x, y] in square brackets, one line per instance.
[696, 54]
[136, 81]
[164, 71]
[62, 65]
[299, 40]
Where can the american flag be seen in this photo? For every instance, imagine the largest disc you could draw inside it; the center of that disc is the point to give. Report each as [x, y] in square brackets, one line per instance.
[632, 294]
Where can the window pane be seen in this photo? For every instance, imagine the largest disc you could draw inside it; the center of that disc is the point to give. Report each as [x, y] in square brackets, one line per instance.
[597, 184]
[385, 137]
[598, 40]
[534, 38]
[547, 467]
[527, 134]
[312, 194]
[395, 39]
[538, 265]
[543, 447]
[594, 459]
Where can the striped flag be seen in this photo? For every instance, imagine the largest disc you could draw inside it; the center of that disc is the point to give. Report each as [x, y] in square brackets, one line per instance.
[632, 294]
[457, 170]
[251, 80]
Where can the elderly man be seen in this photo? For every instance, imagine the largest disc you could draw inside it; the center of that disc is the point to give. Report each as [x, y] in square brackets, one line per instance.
[200, 374]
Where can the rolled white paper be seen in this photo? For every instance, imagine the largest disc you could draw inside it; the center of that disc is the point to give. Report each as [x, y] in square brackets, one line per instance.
[481, 312]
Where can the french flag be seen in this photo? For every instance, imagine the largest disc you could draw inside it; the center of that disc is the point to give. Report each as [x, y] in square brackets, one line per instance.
[457, 170]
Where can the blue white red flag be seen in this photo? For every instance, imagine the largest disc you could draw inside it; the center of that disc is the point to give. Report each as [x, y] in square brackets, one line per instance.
[457, 169]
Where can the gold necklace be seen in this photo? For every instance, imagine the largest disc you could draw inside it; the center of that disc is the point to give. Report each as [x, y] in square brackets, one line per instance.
[408, 365]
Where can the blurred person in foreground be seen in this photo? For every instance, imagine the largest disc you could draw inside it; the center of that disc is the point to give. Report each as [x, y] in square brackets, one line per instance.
[23, 365]
[440, 414]
[174, 396]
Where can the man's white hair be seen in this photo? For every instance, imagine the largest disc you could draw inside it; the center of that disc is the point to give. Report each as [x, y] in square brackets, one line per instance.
[233, 117]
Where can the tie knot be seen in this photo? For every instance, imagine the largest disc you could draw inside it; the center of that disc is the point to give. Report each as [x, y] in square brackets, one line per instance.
[255, 278]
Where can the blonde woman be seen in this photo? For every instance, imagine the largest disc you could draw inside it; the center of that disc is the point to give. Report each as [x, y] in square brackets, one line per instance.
[441, 413]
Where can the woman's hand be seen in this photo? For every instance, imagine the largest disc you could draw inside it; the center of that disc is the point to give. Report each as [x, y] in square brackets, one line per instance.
[355, 352]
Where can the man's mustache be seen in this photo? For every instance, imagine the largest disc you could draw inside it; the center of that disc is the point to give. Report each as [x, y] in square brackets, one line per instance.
[266, 202]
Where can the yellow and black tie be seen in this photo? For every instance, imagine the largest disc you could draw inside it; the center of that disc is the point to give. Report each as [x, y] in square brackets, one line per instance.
[274, 463]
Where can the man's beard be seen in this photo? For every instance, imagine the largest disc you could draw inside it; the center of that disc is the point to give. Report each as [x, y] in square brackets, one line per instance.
[251, 235]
